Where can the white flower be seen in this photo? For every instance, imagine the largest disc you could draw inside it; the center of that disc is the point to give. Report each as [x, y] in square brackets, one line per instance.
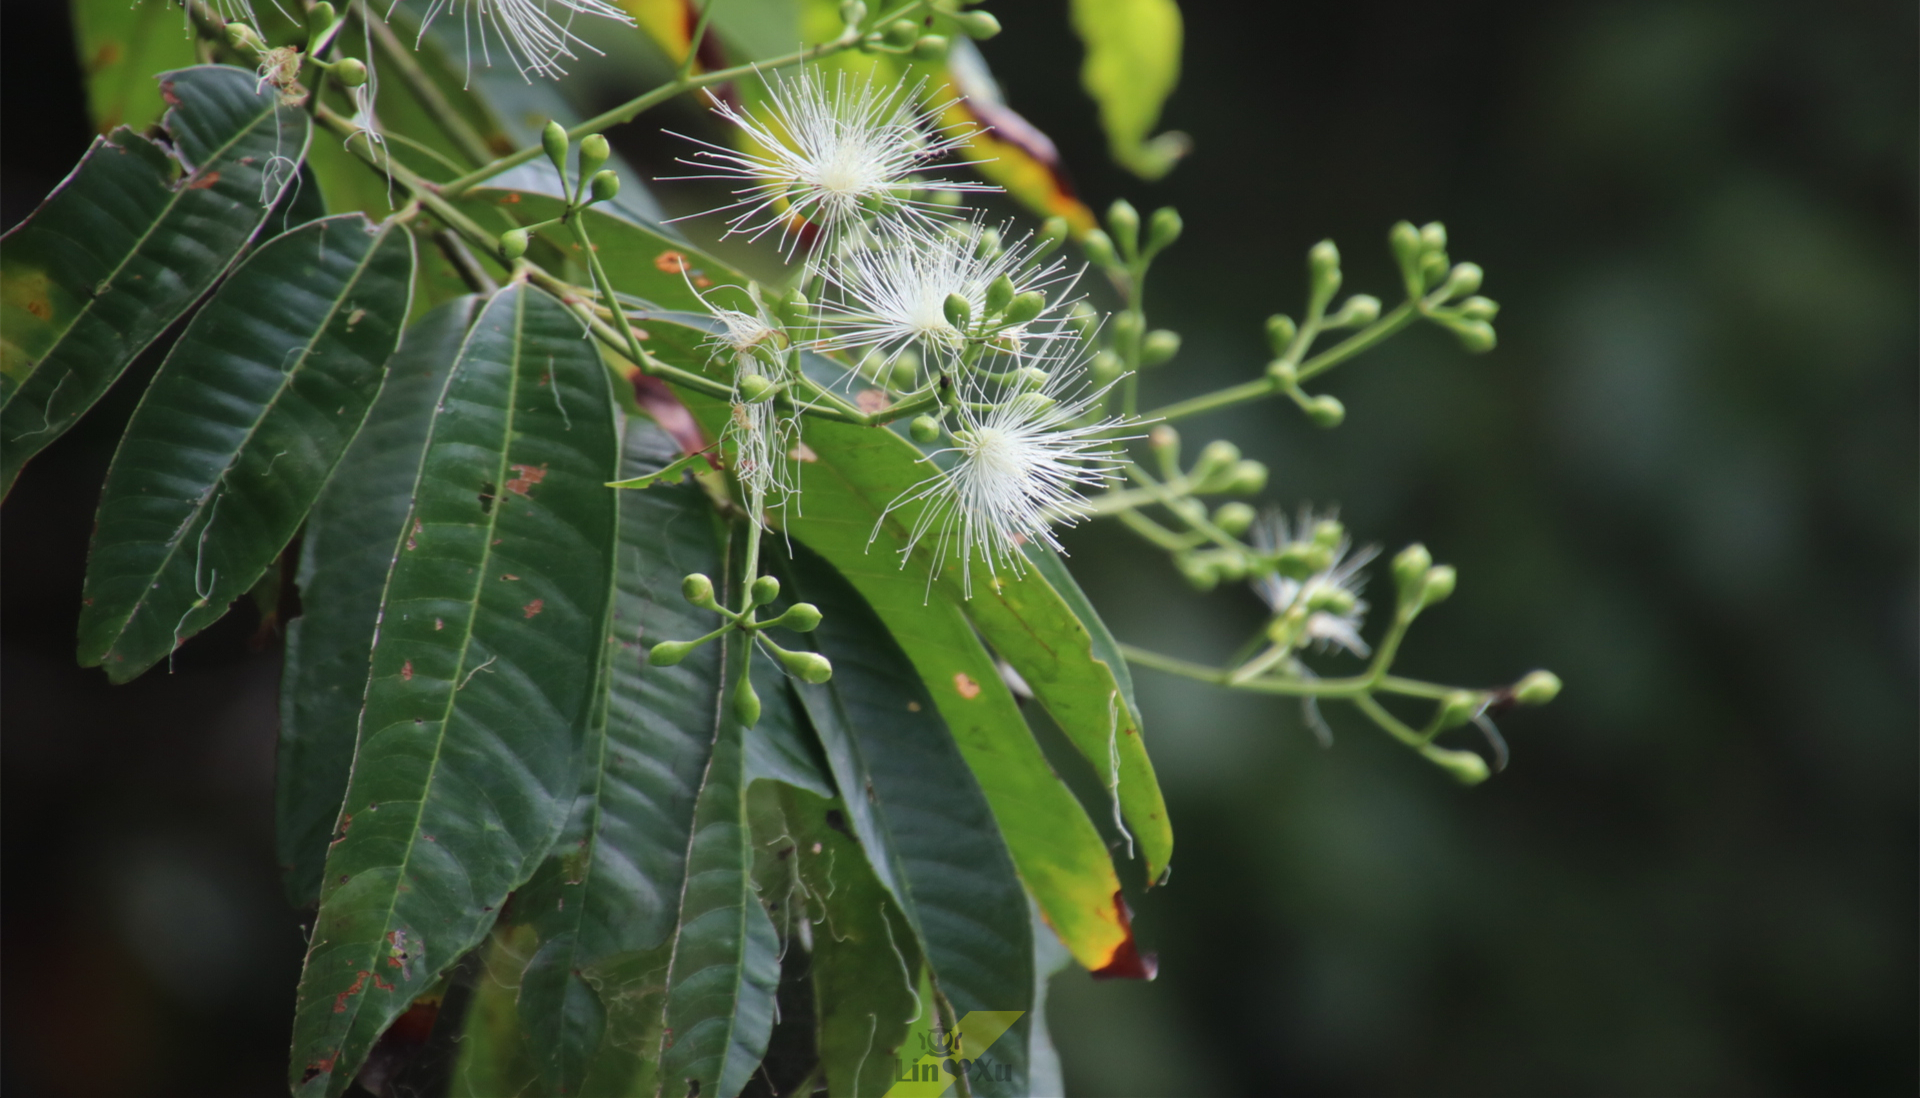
[758, 440]
[827, 154]
[1330, 597]
[536, 34]
[892, 292]
[1018, 464]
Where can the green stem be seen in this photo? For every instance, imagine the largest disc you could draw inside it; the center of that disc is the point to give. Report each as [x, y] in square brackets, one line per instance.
[1156, 533]
[395, 54]
[1261, 388]
[1350, 686]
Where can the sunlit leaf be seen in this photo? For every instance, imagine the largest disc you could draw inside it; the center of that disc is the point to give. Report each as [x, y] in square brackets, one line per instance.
[1132, 65]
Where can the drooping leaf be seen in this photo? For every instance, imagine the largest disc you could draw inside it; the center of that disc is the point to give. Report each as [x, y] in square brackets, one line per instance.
[128, 242]
[351, 534]
[120, 47]
[478, 699]
[240, 429]
[928, 831]
[1133, 64]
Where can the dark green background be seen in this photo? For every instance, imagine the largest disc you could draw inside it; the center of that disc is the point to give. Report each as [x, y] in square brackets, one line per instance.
[1686, 482]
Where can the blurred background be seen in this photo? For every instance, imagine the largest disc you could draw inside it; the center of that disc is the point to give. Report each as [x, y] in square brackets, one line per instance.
[1686, 482]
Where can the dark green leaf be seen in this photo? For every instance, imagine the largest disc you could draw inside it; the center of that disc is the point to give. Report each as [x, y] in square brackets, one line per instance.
[238, 432]
[479, 699]
[352, 533]
[127, 242]
[121, 46]
[927, 828]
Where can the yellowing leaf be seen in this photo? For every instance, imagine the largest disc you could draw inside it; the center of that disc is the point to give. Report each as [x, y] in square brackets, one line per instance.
[1133, 64]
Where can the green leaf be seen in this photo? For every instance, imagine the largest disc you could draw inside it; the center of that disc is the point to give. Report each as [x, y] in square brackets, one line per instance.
[478, 699]
[344, 558]
[865, 960]
[726, 967]
[928, 831]
[238, 432]
[121, 46]
[127, 243]
[1133, 64]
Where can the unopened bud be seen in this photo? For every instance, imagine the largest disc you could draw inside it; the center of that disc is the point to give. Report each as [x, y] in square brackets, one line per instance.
[924, 429]
[987, 244]
[604, 187]
[1479, 308]
[1284, 372]
[1031, 378]
[513, 243]
[594, 152]
[1128, 326]
[697, 589]
[1357, 311]
[1404, 239]
[1159, 346]
[320, 17]
[1053, 232]
[1248, 478]
[746, 703]
[754, 388]
[999, 294]
[1233, 518]
[240, 36]
[1297, 560]
[801, 617]
[1098, 247]
[1537, 688]
[1280, 333]
[806, 666]
[901, 33]
[1475, 336]
[977, 25]
[1410, 567]
[1026, 306]
[554, 140]
[1433, 237]
[796, 309]
[1165, 443]
[853, 13]
[1328, 533]
[1439, 584]
[1123, 221]
[668, 653]
[1215, 458]
[1433, 269]
[764, 590]
[1163, 228]
[1464, 279]
[932, 47]
[1106, 367]
[1198, 571]
[958, 312]
[1084, 317]
[1466, 767]
[905, 372]
[1458, 708]
[1323, 268]
[351, 72]
[1326, 410]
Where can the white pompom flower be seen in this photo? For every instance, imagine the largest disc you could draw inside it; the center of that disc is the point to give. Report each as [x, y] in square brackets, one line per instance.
[1330, 598]
[1017, 467]
[828, 154]
[537, 35]
[890, 293]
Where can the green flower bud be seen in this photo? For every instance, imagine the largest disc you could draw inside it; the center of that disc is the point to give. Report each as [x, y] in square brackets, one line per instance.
[932, 47]
[351, 72]
[764, 590]
[1234, 518]
[1165, 443]
[746, 703]
[754, 388]
[978, 25]
[1457, 709]
[240, 37]
[1163, 228]
[1326, 410]
[1479, 308]
[1084, 317]
[697, 589]
[1433, 237]
[668, 653]
[853, 13]
[1357, 311]
[806, 666]
[1128, 326]
[1190, 509]
[1439, 584]
[1331, 598]
[1327, 533]
[320, 17]
[1098, 247]
[605, 185]
[1433, 269]
[1026, 306]
[1247, 479]
[1198, 571]
[554, 140]
[1053, 231]
[1404, 239]
[1323, 269]
[1537, 688]
[1280, 333]
[594, 152]
[796, 309]
[1159, 346]
[513, 243]
[959, 313]
[1466, 767]
[1475, 336]
[988, 245]
[1106, 367]
[999, 294]
[1410, 567]
[1296, 560]
[1215, 458]
[801, 617]
[1464, 279]
[924, 429]
[1031, 378]
[1284, 372]
[905, 372]
[901, 33]
[871, 43]
[1123, 221]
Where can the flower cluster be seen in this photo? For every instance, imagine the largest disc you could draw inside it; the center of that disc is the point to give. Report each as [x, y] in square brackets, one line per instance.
[914, 300]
